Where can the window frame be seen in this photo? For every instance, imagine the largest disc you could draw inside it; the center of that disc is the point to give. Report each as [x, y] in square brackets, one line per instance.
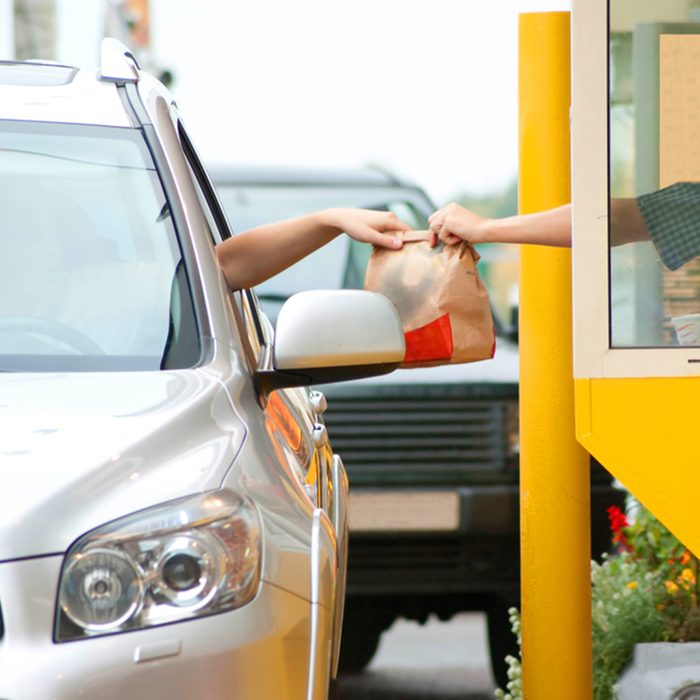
[243, 301]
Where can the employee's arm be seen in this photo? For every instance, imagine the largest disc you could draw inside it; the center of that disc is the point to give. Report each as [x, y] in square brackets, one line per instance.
[550, 227]
[256, 255]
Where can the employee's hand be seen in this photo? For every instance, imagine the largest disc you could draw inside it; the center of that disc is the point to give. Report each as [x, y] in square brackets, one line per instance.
[453, 223]
[379, 228]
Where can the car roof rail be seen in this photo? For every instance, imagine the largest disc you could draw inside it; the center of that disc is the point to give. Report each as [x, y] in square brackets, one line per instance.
[117, 63]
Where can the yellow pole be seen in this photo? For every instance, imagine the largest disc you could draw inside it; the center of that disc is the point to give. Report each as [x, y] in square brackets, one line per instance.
[554, 479]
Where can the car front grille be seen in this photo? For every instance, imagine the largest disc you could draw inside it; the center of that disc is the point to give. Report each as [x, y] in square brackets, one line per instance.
[413, 435]
[434, 564]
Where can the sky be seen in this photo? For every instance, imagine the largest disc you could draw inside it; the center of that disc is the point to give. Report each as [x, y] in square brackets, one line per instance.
[424, 88]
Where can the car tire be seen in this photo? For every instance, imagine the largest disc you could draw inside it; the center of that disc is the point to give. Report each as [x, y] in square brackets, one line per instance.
[502, 641]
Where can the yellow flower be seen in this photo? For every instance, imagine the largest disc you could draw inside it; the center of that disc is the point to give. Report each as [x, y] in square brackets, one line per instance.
[688, 575]
[671, 587]
[632, 585]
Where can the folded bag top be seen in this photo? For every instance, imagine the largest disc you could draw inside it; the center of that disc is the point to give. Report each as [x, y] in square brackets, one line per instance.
[440, 297]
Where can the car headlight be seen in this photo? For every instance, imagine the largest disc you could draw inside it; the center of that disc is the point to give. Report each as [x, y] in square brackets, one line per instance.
[187, 558]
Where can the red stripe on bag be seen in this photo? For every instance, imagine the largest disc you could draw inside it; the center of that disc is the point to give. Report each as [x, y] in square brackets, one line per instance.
[430, 342]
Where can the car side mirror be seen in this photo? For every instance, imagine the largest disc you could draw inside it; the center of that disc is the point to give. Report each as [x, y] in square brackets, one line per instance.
[329, 336]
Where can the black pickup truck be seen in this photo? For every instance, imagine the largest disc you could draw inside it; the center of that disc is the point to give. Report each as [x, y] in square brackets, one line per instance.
[432, 454]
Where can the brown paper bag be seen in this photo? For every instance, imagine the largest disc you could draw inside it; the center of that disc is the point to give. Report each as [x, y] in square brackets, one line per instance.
[441, 299]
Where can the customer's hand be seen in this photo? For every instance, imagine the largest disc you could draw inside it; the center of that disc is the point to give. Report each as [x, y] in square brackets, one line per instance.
[379, 228]
[453, 223]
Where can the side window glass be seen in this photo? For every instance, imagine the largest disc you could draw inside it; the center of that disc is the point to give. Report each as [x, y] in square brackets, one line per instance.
[407, 212]
[358, 258]
[654, 174]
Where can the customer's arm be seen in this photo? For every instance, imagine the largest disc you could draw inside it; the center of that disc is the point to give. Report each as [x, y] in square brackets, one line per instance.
[256, 255]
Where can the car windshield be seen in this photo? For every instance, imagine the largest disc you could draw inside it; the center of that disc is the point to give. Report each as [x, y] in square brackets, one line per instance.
[341, 263]
[90, 267]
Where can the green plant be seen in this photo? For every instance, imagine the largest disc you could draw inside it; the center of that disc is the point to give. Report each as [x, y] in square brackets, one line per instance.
[646, 591]
[514, 688]
[625, 595]
[650, 543]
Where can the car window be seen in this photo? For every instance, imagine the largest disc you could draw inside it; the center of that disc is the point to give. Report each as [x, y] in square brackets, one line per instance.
[91, 272]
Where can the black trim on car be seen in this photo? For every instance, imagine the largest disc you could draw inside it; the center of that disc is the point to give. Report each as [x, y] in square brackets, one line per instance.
[205, 183]
[138, 109]
[268, 380]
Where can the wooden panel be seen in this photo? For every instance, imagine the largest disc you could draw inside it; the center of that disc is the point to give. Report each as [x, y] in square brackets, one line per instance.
[679, 118]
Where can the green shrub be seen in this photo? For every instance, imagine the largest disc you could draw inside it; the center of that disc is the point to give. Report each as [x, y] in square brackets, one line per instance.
[625, 594]
[647, 591]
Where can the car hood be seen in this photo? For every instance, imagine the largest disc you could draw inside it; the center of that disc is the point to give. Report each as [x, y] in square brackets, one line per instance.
[78, 450]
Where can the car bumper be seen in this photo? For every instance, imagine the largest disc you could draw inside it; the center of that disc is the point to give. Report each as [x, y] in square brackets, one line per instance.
[481, 554]
[258, 651]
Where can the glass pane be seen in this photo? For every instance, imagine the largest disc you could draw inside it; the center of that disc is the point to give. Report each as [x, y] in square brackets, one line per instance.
[654, 172]
[90, 273]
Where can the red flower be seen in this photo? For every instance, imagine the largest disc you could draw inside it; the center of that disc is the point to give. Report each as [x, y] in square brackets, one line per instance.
[618, 521]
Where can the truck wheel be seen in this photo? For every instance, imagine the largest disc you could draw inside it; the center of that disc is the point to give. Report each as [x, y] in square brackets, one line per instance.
[333, 689]
[363, 624]
[359, 643]
[502, 642]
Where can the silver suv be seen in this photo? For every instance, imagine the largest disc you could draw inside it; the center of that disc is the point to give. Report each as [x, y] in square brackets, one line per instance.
[432, 454]
[172, 518]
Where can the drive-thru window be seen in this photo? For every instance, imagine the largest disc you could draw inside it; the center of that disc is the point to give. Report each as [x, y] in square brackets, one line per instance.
[636, 177]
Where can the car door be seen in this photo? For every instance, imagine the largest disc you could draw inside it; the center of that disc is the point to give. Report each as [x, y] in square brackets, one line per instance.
[291, 415]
